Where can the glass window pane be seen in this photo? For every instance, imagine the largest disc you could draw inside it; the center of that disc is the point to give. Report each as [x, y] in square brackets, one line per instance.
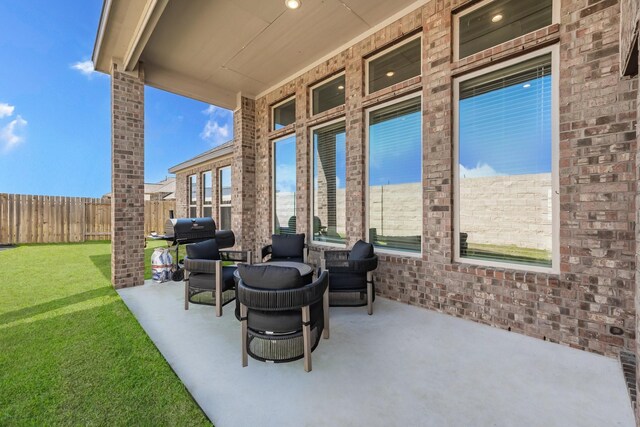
[225, 185]
[193, 212]
[505, 180]
[207, 185]
[501, 21]
[284, 114]
[328, 95]
[207, 212]
[329, 179]
[285, 185]
[395, 176]
[225, 217]
[193, 189]
[396, 66]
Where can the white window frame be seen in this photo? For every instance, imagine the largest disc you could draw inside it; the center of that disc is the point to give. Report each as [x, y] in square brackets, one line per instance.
[311, 204]
[555, 19]
[396, 252]
[220, 204]
[320, 83]
[190, 191]
[273, 177]
[204, 190]
[388, 50]
[273, 109]
[555, 164]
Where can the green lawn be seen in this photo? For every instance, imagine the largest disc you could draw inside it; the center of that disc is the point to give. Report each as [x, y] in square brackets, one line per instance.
[509, 253]
[71, 353]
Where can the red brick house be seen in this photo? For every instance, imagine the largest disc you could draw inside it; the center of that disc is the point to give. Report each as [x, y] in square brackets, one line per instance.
[487, 148]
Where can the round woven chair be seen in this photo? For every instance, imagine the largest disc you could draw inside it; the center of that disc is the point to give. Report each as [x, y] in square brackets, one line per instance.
[282, 317]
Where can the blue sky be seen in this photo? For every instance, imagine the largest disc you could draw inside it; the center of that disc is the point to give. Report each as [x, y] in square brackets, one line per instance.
[55, 111]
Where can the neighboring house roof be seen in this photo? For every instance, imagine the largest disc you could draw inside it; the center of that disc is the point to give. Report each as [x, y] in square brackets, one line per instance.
[214, 153]
[166, 186]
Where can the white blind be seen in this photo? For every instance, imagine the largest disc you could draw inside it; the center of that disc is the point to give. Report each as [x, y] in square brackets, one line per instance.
[505, 154]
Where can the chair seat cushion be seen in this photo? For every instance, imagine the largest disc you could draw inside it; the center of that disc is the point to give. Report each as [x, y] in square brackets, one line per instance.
[281, 322]
[270, 277]
[208, 281]
[287, 245]
[347, 281]
[204, 250]
[361, 250]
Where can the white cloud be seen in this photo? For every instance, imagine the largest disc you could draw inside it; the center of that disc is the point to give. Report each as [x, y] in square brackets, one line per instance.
[286, 178]
[85, 68]
[217, 129]
[6, 110]
[481, 170]
[12, 133]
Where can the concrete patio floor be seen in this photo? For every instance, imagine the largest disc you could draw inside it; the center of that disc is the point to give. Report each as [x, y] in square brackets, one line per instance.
[402, 366]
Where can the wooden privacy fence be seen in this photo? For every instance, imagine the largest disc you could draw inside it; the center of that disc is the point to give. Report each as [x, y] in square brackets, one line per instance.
[54, 219]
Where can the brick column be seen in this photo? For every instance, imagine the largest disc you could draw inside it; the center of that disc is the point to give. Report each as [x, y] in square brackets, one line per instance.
[243, 174]
[355, 147]
[637, 290]
[127, 179]
[303, 184]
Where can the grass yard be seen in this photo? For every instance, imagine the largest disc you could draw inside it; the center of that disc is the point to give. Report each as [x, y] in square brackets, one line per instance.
[72, 353]
[509, 253]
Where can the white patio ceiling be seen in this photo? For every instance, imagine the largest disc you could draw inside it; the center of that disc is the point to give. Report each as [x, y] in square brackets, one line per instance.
[213, 49]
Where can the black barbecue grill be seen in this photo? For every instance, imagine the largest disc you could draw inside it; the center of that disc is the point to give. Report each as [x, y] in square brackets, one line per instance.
[182, 231]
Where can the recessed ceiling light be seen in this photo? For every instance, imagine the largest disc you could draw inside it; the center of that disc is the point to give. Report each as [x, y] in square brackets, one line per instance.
[340, 87]
[292, 4]
[526, 85]
[497, 18]
[390, 73]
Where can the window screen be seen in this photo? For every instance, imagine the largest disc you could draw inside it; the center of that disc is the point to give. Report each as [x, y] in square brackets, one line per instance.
[225, 198]
[284, 208]
[284, 114]
[193, 196]
[396, 66]
[505, 170]
[207, 187]
[395, 176]
[329, 179]
[328, 95]
[500, 21]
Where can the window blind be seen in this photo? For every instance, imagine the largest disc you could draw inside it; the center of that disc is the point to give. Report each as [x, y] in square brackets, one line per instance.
[329, 176]
[505, 164]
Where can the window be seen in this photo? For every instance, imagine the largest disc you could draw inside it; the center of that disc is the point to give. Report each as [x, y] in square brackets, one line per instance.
[328, 95]
[491, 23]
[225, 198]
[193, 196]
[505, 189]
[284, 114]
[398, 65]
[329, 178]
[284, 178]
[207, 185]
[395, 176]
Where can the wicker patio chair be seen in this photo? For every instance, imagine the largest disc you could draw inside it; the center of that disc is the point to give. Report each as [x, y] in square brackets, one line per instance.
[282, 316]
[286, 247]
[208, 276]
[351, 276]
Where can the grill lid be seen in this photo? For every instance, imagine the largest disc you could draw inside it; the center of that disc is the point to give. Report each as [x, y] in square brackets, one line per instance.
[190, 229]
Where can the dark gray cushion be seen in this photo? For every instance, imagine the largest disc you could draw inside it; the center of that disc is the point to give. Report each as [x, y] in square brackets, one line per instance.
[281, 321]
[270, 277]
[287, 246]
[361, 250]
[208, 281]
[204, 250]
[347, 281]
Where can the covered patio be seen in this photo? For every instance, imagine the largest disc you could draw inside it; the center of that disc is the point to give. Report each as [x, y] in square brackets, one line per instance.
[507, 280]
[401, 366]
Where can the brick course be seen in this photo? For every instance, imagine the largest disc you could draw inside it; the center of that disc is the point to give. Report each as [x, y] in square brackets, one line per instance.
[127, 179]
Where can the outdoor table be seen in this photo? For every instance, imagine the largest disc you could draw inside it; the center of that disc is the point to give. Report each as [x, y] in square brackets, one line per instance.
[306, 271]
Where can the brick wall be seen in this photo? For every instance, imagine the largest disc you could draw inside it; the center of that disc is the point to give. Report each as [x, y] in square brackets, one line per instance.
[127, 179]
[182, 186]
[597, 167]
